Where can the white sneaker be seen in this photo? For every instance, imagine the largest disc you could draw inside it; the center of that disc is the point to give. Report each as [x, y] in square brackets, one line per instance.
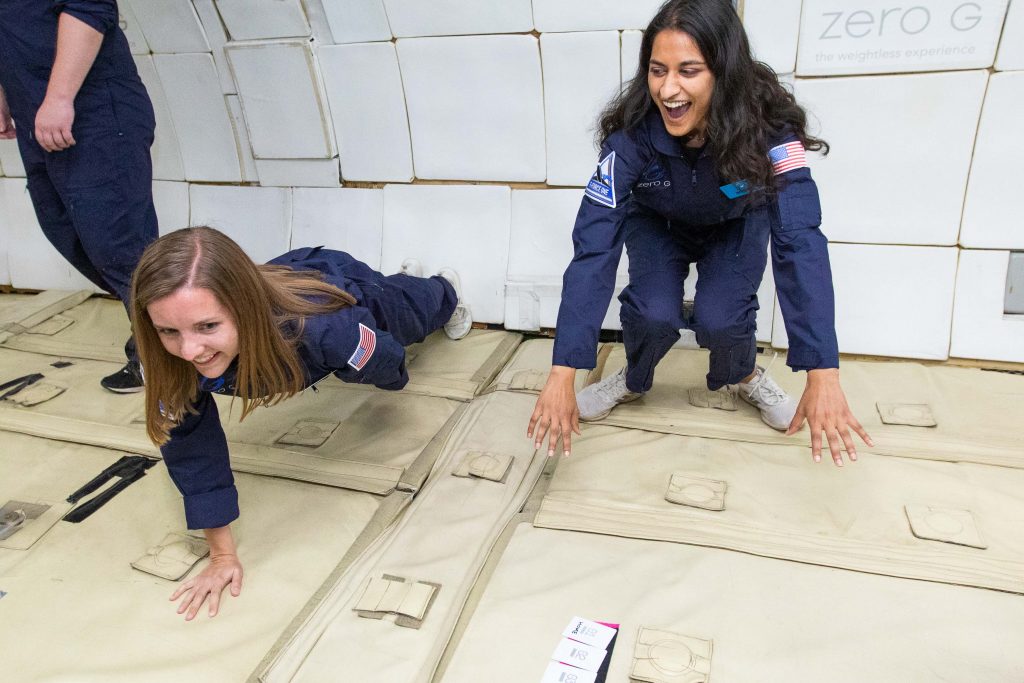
[461, 322]
[412, 267]
[597, 400]
[776, 406]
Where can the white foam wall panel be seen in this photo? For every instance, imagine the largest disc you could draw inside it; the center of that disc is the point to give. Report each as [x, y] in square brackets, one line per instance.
[540, 249]
[33, 263]
[10, 159]
[243, 148]
[881, 36]
[592, 15]
[463, 227]
[171, 202]
[166, 154]
[890, 300]
[258, 218]
[170, 26]
[581, 73]
[367, 103]
[901, 150]
[773, 27]
[411, 18]
[283, 99]
[200, 116]
[319, 27]
[475, 107]
[1011, 47]
[630, 53]
[357, 21]
[218, 39]
[343, 219]
[980, 328]
[992, 216]
[260, 19]
[298, 172]
[132, 31]
[5, 241]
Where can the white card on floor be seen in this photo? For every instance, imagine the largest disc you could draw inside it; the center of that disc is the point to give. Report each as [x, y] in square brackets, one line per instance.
[579, 655]
[563, 673]
[589, 632]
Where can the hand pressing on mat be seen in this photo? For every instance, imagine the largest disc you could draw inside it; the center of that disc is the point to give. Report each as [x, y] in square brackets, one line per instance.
[824, 406]
[224, 570]
[556, 411]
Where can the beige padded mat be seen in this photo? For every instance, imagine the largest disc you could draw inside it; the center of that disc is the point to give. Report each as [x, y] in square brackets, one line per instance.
[444, 538]
[769, 620]
[20, 312]
[778, 503]
[978, 413]
[75, 610]
[96, 328]
[375, 437]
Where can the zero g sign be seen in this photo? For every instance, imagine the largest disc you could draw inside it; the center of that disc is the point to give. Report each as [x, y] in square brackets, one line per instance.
[889, 36]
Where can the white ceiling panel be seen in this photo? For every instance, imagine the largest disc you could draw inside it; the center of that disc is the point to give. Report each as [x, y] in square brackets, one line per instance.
[283, 99]
[357, 21]
[205, 136]
[581, 74]
[901, 150]
[462, 227]
[132, 31]
[247, 165]
[1011, 47]
[476, 108]
[773, 27]
[630, 53]
[261, 19]
[992, 215]
[409, 18]
[890, 300]
[257, 218]
[881, 36]
[167, 164]
[218, 39]
[10, 159]
[171, 202]
[298, 172]
[32, 263]
[367, 103]
[170, 26]
[343, 219]
[592, 15]
[980, 327]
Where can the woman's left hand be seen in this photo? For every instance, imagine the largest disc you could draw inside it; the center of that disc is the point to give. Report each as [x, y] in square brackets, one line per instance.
[824, 406]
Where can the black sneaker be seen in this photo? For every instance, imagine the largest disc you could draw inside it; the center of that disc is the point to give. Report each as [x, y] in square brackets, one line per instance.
[127, 380]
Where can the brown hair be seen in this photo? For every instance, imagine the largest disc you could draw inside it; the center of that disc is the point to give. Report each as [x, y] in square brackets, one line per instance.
[268, 304]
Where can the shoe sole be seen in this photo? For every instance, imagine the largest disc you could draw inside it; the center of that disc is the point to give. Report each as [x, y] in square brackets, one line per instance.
[129, 390]
[608, 412]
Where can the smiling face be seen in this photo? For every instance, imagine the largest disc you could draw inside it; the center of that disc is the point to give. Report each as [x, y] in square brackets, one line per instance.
[680, 83]
[195, 326]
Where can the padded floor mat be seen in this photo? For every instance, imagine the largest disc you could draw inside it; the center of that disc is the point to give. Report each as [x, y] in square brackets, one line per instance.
[96, 328]
[75, 610]
[21, 312]
[768, 620]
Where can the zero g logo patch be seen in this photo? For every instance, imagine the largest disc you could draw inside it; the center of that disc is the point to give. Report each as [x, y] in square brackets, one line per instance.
[654, 177]
[601, 187]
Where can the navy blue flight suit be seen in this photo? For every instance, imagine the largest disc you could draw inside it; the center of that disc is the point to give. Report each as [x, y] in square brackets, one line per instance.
[665, 204]
[94, 200]
[397, 309]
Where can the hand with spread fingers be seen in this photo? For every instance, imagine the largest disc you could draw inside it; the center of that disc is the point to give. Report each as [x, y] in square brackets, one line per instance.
[556, 414]
[222, 572]
[824, 406]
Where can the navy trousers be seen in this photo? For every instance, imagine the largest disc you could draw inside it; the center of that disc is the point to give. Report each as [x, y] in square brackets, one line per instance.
[731, 259]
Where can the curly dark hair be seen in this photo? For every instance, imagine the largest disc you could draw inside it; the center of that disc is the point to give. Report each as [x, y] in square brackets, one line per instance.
[748, 104]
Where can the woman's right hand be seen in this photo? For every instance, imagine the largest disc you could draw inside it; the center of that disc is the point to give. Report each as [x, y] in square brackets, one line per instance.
[556, 414]
[224, 570]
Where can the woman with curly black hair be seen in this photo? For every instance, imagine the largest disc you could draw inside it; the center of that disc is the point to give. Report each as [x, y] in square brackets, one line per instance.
[702, 162]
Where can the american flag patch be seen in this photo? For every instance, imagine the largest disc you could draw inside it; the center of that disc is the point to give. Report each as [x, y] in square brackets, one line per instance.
[788, 157]
[367, 343]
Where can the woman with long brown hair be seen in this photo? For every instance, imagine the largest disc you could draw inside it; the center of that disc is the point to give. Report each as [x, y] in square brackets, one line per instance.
[208, 320]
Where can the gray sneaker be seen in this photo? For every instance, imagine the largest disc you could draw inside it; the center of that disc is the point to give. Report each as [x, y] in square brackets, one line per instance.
[776, 406]
[461, 322]
[597, 400]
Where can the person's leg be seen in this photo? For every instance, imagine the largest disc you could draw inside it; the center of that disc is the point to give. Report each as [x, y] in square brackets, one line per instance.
[408, 307]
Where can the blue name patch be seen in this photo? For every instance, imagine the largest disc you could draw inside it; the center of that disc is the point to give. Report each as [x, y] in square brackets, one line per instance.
[736, 190]
[601, 187]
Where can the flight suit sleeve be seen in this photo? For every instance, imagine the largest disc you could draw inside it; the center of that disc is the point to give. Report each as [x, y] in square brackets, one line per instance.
[98, 14]
[803, 275]
[350, 343]
[197, 460]
[597, 237]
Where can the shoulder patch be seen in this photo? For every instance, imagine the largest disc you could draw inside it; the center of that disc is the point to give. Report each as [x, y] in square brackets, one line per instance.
[601, 187]
[363, 352]
[788, 157]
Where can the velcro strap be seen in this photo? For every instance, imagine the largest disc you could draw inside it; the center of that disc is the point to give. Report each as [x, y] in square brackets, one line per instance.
[409, 601]
[492, 466]
[666, 657]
